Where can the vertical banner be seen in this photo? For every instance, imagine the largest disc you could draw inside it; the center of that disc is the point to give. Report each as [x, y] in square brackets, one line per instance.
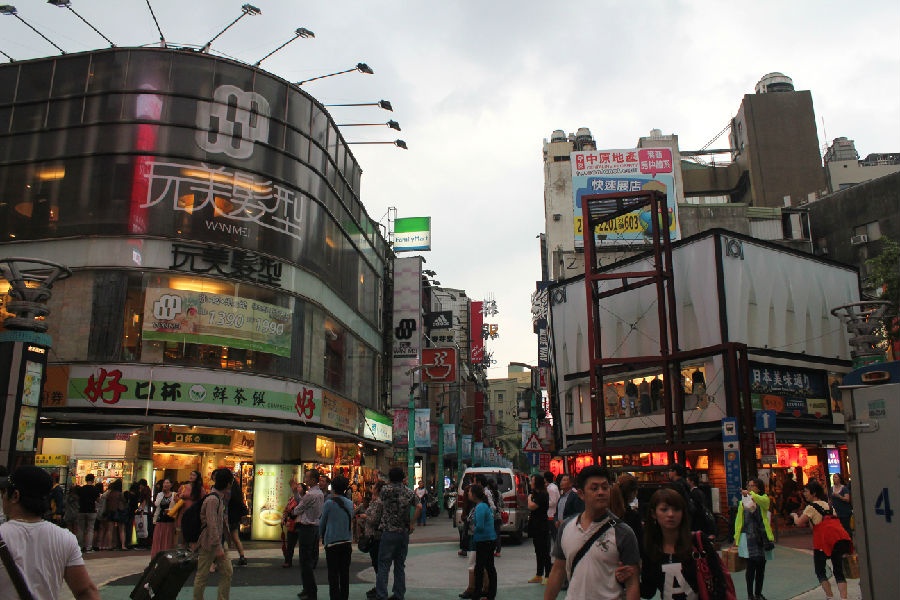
[401, 427]
[466, 446]
[406, 327]
[449, 434]
[423, 428]
[733, 480]
[476, 322]
[478, 453]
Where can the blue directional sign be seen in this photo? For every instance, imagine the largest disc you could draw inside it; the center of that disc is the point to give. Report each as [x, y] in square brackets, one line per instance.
[765, 420]
[733, 482]
[729, 429]
[534, 458]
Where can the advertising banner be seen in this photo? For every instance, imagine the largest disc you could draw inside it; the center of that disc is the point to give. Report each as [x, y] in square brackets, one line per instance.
[271, 492]
[340, 413]
[630, 170]
[476, 321]
[449, 434]
[378, 427]
[108, 388]
[466, 446]
[423, 428]
[478, 453]
[412, 233]
[401, 427]
[790, 391]
[216, 319]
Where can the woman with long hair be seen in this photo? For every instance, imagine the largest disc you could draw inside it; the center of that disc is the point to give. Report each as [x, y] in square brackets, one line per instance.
[840, 501]
[237, 510]
[164, 525]
[539, 527]
[669, 565]
[753, 535]
[484, 537]
[830, 540]
[190, 491]
[117, 517]
[372, 528]
[622, 503]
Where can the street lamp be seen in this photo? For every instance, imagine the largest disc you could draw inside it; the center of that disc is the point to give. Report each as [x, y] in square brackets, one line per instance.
[247, 9]
[9, 9]
[398, 143]
[68, 4]
[300, 32]
[381, 104]
[391, 124]
[361, 67]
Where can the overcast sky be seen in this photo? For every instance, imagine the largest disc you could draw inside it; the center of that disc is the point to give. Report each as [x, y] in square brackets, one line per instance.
[478, 86]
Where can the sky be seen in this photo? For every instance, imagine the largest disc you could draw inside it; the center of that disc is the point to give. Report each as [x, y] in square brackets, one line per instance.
[478, 86]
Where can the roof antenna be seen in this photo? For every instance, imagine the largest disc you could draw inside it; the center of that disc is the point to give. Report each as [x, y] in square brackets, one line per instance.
[68, 4]
[8, 9]
[162, 38]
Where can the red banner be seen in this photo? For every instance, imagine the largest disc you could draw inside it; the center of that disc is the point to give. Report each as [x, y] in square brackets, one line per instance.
[475, 324]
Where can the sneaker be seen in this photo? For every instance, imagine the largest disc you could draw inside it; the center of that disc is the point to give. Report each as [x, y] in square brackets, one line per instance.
[242, 561]
[546, 579]
[536, 579]
[496, 553]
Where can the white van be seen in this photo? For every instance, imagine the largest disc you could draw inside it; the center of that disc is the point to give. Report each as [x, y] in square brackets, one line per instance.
[514, 487]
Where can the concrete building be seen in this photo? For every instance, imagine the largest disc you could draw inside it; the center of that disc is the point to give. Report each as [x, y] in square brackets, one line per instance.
[844, 169]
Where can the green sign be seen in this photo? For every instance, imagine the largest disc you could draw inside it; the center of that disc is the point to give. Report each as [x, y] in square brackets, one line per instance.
[412, 233]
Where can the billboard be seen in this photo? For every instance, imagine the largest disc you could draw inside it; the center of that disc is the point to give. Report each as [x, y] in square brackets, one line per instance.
[412, 233]
[220, 320]
[631, 170]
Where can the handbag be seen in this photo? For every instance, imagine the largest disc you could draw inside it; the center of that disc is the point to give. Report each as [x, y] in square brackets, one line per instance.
[733, 561]
[713, 581]
[851, 565]
[175, 508]
[15, 575]
[140, 525]
[365, 543]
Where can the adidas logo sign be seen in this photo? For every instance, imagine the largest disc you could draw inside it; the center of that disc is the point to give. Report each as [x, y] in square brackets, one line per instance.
[440, 322]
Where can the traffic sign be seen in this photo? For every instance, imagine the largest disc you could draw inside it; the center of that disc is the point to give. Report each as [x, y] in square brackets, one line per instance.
[533, 458]
[765, 420]
[533, 444]
[729, 429]
[768, 452]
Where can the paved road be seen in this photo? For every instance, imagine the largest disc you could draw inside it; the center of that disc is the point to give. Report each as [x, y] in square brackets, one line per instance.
[434, 571]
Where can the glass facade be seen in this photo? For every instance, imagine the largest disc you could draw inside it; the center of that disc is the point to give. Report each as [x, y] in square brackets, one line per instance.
[243, 169]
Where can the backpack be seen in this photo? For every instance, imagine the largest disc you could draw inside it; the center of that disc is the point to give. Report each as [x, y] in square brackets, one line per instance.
[191, 524]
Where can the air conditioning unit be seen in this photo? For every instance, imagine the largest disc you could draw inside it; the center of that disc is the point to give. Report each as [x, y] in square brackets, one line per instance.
[856, 240]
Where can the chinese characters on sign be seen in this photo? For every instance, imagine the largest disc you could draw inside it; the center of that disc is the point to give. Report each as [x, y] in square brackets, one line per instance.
[791, 391]
[228, 262]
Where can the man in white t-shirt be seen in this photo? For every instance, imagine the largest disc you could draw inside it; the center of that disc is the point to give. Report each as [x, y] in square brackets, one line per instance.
[45, 554]
[553, 492]
[422, 494]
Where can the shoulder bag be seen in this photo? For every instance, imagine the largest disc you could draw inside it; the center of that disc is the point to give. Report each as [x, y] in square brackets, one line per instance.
[828, 532]
[611, 522]
[713, 580]
[15, 575]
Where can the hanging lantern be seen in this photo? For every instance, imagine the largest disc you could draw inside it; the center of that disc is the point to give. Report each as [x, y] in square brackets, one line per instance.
[556, 466]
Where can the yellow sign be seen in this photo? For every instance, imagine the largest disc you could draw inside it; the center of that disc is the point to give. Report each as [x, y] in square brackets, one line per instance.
[51, 460]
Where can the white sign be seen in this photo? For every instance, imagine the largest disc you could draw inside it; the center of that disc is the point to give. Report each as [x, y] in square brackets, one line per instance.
[533, 444]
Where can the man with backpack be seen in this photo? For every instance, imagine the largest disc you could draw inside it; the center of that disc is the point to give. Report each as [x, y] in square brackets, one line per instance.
[213, 532]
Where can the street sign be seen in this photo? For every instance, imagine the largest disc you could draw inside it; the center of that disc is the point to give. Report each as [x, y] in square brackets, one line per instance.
[533, 458]
[533, 444]
[768, 452]
[765, 420]
[544, 461]
[729, 429]
[733, 476]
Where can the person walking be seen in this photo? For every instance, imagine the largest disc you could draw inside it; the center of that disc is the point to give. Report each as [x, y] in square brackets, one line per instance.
[570, 503]
[87, 513]
[237, 510]
[623, 504]
[190, 491]
[669, 565]
[553, 495]
[830, 540]
[45, 555]
[371, 528]
[396, 527]
[753, 535]
[307, 514]
[607, 543]
[213, 533]
[539, 528]
[335, 530]
[484, 538]
[840, 501]
[164, 525]
[422, 495]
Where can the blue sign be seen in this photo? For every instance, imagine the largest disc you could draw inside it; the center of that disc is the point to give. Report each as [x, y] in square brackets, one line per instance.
[729, 429]
[733, 483]
[533, 458]
[765, 420]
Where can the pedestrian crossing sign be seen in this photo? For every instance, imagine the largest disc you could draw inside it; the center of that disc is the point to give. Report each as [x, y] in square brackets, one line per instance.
[533, 444]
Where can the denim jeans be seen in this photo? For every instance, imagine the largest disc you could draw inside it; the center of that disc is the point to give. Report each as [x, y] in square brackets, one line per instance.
[392, 550]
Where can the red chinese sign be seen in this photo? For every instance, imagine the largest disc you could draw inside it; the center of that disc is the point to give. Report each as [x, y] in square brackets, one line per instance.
[439, 365]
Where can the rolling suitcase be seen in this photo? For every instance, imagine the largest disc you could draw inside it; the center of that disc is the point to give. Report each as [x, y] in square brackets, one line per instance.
[165, 576]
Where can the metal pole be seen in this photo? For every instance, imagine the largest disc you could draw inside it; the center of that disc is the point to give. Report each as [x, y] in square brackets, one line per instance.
[411, 439]
[439, 467]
